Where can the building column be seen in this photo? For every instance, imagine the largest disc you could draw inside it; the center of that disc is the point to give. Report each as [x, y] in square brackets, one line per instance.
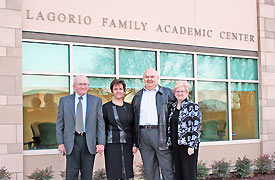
[11, 118]
[266, 19]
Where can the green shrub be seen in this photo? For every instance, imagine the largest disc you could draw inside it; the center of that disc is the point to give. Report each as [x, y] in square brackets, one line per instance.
[263, 164]
[273, 158]
[221, 169]
[100, 174]
[4, 174]
[42, 174]
[202, 171]
[63, 175]
[243, 167]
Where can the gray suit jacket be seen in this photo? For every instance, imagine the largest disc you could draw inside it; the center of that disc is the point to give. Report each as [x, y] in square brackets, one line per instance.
[65, 123]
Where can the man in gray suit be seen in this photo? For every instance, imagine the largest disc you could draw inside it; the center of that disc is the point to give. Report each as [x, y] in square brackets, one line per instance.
[80, 130]
[151, 113]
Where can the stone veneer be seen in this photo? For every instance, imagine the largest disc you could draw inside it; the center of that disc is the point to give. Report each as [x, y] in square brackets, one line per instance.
[11, 121]
[266, 19]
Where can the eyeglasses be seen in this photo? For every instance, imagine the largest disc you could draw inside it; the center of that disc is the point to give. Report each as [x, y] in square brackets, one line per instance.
[178, 92]
[83, 84]
[152, 77]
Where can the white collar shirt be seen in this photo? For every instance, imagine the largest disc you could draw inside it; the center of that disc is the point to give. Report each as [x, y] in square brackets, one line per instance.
[148, 107]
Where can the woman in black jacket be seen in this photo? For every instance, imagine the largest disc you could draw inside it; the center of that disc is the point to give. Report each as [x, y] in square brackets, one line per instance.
[120, 143]
[184, 130]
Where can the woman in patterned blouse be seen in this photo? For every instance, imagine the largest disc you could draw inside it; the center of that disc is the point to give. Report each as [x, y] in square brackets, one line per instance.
[184, 130]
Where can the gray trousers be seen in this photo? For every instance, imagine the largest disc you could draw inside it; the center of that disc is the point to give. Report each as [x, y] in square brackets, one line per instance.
[153, 158]
[79, 160]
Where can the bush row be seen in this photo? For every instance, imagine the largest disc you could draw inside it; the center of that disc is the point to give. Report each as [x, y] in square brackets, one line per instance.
[243, 167]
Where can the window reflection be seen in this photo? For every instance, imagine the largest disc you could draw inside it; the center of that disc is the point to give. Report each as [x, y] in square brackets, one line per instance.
[244, 69]
[93, 60]
[212, 99]
[244, 111]
[41, 96]
[212, 67]
[38, 56]
[133, 86]
[176, 65]
[100, 87]
[135, 62]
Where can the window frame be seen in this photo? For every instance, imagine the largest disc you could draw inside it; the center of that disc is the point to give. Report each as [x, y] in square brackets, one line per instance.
[116, 75]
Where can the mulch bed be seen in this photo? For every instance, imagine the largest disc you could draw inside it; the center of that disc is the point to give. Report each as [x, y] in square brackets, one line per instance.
[233, 176]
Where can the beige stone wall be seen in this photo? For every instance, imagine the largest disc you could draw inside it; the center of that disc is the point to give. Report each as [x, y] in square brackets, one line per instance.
[11, 122]
[155, 21]
[229, 152]
[267, 76]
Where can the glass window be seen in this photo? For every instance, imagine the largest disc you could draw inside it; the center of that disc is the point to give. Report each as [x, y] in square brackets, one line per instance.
[212, 67]
[41, 93]
[244, 69]
[41, 96]
[93, 60]
[176, 65]
[100, 87]
[40, 57]
[212, 99]
[171, 83]
[244, 102]
[133, 86]
[135, 62]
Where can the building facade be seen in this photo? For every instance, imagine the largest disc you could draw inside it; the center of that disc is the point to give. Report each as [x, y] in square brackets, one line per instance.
[228, 59]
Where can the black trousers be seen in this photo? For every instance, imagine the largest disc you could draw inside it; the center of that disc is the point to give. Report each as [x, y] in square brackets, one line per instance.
[185, 165]
[118, 159]
[79, 160]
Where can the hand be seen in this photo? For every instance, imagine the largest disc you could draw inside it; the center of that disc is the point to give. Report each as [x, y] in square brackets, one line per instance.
[61, 149]
[134, 150]
[191, 151]
[100, 149]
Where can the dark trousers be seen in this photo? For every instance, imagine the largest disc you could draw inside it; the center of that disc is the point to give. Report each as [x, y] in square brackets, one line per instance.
[79, 160]
[118, 161]
[185, 165]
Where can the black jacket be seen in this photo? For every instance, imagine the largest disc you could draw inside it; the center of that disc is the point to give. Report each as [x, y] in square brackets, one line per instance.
[113, 133]
[164, 99]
